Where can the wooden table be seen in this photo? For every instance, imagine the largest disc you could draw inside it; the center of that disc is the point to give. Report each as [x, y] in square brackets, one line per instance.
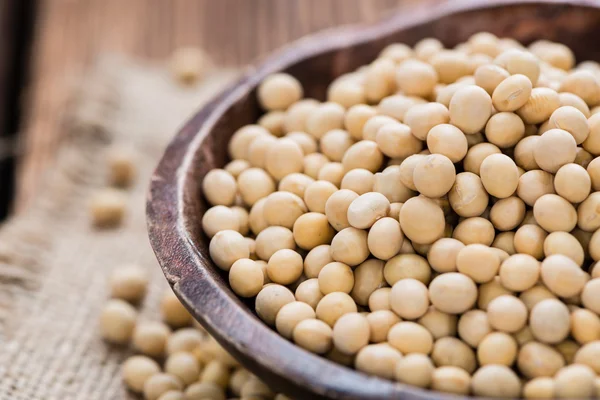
[71, 33]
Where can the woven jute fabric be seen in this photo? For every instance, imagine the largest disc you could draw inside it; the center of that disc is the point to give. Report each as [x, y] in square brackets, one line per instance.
[54, 265]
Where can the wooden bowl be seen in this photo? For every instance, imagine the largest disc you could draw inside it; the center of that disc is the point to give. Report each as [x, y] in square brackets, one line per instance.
[175, 204]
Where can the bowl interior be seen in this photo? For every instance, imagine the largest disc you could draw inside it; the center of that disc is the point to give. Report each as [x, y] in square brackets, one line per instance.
[176, 204]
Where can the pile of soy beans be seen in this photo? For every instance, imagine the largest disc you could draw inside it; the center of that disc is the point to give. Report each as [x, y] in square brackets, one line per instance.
[434, 221]
[175, 358]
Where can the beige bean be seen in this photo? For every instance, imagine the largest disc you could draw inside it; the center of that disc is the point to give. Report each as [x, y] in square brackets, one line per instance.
[405, 266]
[550, 321]
[368, 277]
[539, 360]
[336, 208]
[350, 246]
[397, 105]
[553, 213]
[326, 117]
[385, 238]
[476, 154]
[447, 140]
[554, 149]
[584, 84]
[504, 129]
[422, 117]
[474, 230]
[499, 175]
[453, 292]
[416, 78]
[397, 141]
[489, 76]
[496, 381]
[422, 220]
[355, 119]
[434, 175]
[409, 298]
[378, 359]
[534, 184]
[388, 182]
[517, 61]
[365, 210]
[506, 214]
[311, 230]
[364, 154]
[450, 351]
[279, 91]
[468, 197]
[512, 93]
[470, 109]
[519, 272]
[563, 276]
[540, 105]
[566, 244]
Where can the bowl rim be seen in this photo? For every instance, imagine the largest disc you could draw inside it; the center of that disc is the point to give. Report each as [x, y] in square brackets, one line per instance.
[183, 264]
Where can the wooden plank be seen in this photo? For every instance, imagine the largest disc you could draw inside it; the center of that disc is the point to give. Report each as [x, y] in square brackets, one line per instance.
[7, 54]
[16, 19]
[70, 33]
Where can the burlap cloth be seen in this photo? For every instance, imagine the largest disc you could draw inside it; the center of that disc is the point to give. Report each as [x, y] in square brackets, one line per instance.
[54, 265]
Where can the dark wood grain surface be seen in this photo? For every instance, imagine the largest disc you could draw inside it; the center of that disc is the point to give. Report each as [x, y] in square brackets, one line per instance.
[71, 33]
[175, 203]
[16, 25]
